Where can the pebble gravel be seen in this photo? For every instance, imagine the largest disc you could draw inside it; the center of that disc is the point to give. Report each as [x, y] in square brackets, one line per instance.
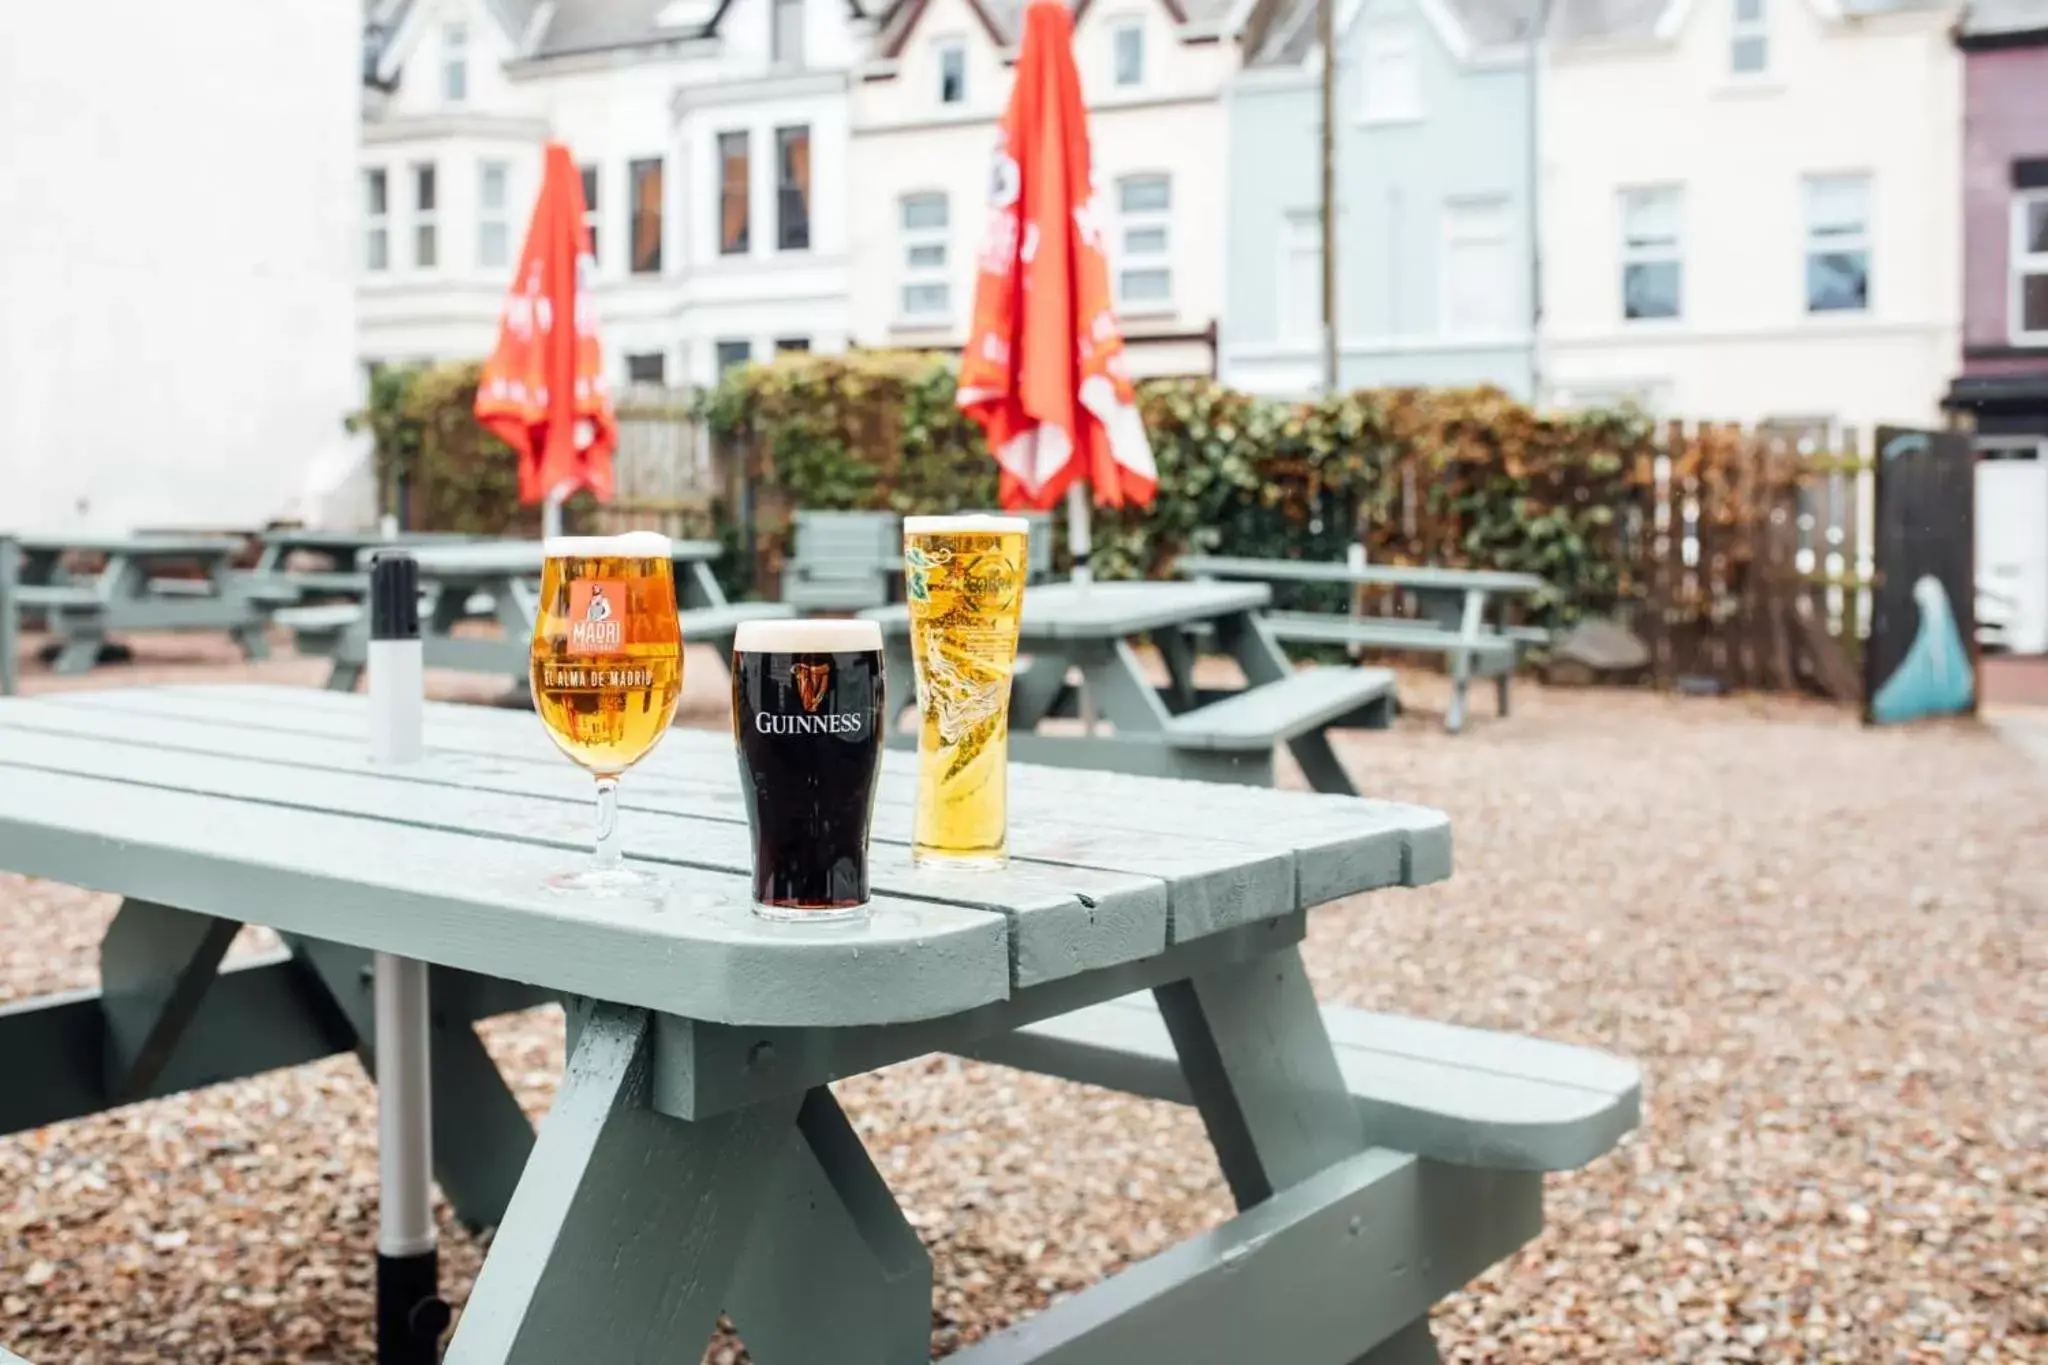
[1826, 946]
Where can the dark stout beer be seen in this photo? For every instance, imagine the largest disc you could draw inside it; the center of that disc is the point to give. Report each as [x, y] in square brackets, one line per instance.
[807, 718]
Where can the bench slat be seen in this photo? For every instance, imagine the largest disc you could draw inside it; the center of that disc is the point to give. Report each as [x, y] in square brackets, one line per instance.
[1464, 1096]
[47, 595]
[1262, 716]
[715, 623]
[335, 616]
[1385, 632]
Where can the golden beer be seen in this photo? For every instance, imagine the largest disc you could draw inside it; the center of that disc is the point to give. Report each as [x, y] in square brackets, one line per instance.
[607, 666]
[964, 578]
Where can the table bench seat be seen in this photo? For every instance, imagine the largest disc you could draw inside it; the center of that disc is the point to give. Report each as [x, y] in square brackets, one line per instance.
[64, 597]
[1261, 717]
[1463, 1096]
[318, 630]
[1388, 632]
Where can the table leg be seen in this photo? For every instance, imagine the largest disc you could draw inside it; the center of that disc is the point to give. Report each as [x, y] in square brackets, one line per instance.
[700, 587]
[620, 1243]
[831, 1270]
[1179, 652]
[1035, 690]
[156, 964]
[1246, 639]
[1412, 1345]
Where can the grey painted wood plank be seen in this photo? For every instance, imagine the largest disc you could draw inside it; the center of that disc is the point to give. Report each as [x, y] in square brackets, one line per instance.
[1062, 920]
[1259, 717]
[1466, 1097]
[478, 903]
[621, 1240]
[1108, 611]
[131, 547]
[517, 558]
[156, 964]
[1317, 1275]
[1399, 575]
[1386, 633]
[1340, 845]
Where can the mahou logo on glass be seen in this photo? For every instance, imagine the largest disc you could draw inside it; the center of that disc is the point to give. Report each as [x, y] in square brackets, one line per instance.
[597, 616]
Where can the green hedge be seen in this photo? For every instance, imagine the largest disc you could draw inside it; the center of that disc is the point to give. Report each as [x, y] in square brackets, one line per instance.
[1464, 478]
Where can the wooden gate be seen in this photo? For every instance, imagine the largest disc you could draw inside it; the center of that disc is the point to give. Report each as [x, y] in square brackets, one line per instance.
[664, 470]
[1921, 658]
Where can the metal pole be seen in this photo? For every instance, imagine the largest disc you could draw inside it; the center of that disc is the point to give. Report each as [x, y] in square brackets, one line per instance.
[1326, 35]
[10, 613]
[1536, 204]
[1080, 545]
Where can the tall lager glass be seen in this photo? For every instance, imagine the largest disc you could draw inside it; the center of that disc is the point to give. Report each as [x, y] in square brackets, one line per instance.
[964, 578]
[607, 671]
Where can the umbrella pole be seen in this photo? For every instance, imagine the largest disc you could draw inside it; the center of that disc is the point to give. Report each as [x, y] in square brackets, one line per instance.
[551, 508]
[1079, 547]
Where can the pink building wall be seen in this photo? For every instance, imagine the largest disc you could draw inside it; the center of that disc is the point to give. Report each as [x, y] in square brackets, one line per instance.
[2005, 118]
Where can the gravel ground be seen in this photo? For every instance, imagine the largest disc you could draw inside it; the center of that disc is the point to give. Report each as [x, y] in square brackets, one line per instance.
[1827, 947]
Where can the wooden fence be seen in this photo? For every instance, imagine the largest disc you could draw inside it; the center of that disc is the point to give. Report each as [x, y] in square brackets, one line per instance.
[669, 473]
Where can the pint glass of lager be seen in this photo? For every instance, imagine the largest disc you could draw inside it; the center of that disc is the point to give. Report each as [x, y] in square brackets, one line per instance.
[964, 578]
[607, 670]
[807, 719]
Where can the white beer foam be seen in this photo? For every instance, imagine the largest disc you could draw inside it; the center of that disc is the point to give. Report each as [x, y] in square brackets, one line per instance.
[822, 635]
[626, 545]
[965, 523]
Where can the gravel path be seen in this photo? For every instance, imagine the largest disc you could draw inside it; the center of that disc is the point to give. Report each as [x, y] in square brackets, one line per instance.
[1828, 948]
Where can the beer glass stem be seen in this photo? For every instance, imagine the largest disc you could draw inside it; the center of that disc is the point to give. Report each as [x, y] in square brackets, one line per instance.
[608, 854]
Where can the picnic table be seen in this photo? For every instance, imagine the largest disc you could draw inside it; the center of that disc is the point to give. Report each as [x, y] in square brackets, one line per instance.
[341, 577]
[694, 1159]
[130, 591]
[1452, 602]
[506, 574]
[1180, 730]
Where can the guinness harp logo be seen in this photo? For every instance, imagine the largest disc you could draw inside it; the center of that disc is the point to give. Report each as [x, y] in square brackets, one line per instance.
[811, 680]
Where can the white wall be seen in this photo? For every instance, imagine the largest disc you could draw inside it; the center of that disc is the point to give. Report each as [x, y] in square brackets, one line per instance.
[1881, 97]
[905, 141]
[177, 255]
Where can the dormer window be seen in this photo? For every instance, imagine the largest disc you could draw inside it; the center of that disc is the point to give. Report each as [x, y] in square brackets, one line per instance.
[1749, 39]
[1127, 54]
[952, 73]
[786, 37]
[455, 63]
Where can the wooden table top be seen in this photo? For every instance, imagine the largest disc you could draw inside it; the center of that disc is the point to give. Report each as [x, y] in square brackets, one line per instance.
[259, 803]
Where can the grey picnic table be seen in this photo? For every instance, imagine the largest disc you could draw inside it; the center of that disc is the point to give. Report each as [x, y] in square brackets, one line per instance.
[1181, 729]
[1453, 604]
[507, 573]
[130, 591]
[694, 1159]
[341, 577]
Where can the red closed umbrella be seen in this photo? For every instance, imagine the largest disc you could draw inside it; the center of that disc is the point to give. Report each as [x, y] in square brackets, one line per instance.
[542, 390]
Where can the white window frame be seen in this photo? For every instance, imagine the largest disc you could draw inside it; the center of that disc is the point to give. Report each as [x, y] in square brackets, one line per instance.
[376, 222]
[1129, 221]
[941, 49]
[1757, 30]
[1458, 225]
[939, 274]
[780, 59]
[1301, 234]
[591, 174]
[1833, 245]
[1651, 255]
[493, 218]
[1134, 29]
[2023, 264]
[1386, 41]
[455, 62]
[425, 219]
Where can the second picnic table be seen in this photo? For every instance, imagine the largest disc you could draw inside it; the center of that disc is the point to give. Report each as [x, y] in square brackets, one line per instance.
[1182, 729]
[508, 573]
[1453, 605]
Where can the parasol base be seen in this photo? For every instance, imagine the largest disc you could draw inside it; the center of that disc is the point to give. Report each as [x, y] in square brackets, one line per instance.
[411, 1315]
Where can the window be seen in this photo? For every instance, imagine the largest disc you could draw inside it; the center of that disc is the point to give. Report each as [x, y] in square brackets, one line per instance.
[493, 227]
[732, 194]
[792, 189]
[455, 63]
[426, 245]
[732, 355]
[1390, 74]
[648, 367]
[927, 294]
[2030, 268]
[645, 249]
[792, 345]
[1301, 276]
[1144, 276]
[952, 73]
[1837, 243]
[1749, 38]
[1127, 53]
[376, 220]
[1652, 271]
[786, 37]
[591, 220]
[1479, 290]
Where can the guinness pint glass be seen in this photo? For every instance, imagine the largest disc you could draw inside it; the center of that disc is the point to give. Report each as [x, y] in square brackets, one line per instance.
[807, 719]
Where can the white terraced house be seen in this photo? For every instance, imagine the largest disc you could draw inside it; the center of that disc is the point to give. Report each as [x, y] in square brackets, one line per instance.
[712, 137]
